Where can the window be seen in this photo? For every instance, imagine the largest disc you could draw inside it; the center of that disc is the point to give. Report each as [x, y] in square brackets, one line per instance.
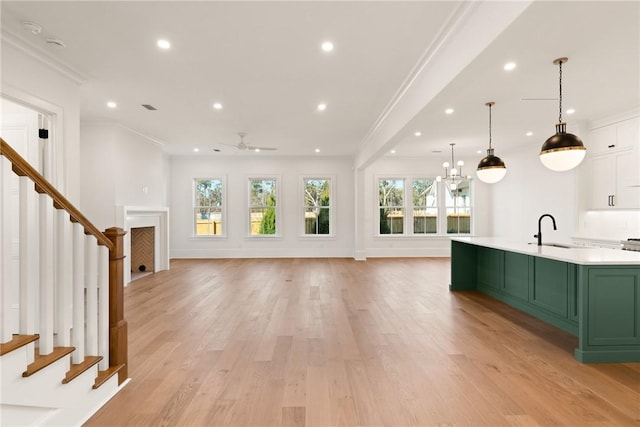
[317, 206]
[263, 204]
[458, 204]
[208, 203]
[391, 202]
[425, 206]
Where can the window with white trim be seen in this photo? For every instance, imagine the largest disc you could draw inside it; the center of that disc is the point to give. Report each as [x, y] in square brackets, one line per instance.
[391, 203]
[208, 204]
[458, 205]
[263, 206]
[425, 206]
[317, 206]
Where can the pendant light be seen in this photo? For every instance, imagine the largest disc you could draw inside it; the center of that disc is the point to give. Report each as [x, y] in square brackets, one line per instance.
[491, 169]
[563, 151]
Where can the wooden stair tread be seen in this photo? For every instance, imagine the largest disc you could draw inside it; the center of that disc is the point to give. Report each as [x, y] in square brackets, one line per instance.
[78, 368]
[16, 342]
[103, 376]
[41, 361]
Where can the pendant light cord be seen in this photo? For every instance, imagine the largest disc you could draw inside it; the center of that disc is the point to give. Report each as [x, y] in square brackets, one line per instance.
[560, 112]
[489, 126]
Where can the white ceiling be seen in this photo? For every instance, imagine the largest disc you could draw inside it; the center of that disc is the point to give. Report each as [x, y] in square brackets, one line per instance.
[262, 60]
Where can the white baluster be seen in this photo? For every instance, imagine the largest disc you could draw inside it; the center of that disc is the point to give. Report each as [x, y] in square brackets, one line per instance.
[8, 322]
[91, 284]
[29, 259]
[47, 275]
[64, 279]
[77, 333]
[103, 306]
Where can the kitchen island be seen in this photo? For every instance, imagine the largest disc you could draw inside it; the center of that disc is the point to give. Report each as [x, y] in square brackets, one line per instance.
[593, 293]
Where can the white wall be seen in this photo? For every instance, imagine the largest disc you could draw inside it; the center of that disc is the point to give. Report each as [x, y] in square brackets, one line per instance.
[235, 171]
[119, 168]
[529, 190]
[416, 245]
[31, 81]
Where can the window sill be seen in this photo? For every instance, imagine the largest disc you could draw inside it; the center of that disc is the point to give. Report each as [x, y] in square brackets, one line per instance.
[211, 237]
[316, 236]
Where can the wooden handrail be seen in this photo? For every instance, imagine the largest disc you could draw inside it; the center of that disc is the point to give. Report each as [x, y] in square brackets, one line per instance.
[22, 168]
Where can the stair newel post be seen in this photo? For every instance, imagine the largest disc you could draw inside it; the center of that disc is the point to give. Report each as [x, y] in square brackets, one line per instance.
[118, 346]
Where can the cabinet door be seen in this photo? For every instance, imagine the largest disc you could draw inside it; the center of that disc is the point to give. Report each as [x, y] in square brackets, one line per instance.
[613, 306]
[516, 275]
[627, 194]
[550, 286]
[601, 140]
[628, 134]
[602, 180]
[490, 268]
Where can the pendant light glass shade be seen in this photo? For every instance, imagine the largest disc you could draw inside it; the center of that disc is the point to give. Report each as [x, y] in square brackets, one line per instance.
[491, 169]
[562, 151]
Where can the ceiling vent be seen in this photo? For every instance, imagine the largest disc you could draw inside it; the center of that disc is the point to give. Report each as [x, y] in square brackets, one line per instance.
[149, 107]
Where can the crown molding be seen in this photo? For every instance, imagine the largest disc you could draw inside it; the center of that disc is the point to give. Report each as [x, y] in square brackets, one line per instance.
[43, 56]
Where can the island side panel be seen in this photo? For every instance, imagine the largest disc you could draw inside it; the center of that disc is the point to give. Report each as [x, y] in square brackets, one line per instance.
[463, 266]
[609, 314]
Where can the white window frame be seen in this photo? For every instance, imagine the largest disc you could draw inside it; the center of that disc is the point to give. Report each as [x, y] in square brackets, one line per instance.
[443, 198]
[223, 209]
[278, 181]
[408, 208]
[332, 204]
[411, 206]
[377, 204]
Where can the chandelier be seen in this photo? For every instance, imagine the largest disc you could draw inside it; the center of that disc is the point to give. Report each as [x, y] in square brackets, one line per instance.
[452, 174]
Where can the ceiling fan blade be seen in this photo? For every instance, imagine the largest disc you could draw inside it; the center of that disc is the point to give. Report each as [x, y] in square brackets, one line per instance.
[251, 147]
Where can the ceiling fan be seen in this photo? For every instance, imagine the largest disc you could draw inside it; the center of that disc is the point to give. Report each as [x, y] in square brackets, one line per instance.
[244, 146]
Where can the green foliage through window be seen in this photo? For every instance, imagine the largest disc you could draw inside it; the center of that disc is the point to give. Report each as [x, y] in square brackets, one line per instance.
[317, 206]
[263, 199]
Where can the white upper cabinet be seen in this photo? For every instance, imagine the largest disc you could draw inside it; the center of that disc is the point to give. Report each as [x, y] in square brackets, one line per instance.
[614, 166]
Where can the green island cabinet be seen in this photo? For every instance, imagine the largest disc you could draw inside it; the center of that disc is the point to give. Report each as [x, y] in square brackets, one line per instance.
[593, 293]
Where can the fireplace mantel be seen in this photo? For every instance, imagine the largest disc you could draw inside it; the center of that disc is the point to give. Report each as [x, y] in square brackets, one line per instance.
[128, 217]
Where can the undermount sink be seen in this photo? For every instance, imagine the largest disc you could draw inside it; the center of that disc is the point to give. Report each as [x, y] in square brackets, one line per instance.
[556, 245]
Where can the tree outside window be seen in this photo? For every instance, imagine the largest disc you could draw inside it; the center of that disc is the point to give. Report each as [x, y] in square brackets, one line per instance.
[208, 203]
[391, 202]
[317, 206]
[425, 206]
[263, 205]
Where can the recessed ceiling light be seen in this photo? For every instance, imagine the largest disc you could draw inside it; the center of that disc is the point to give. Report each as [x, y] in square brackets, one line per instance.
[327, 46]
[479, 152]
[418, 133]
[257, 150]
[322, 107]
[449, 111]
[111, 104]
[571, 111]
[217, 106]
[317, 150]
[163, 44]
[393, 151]
[196, 149]
[529, 133]
[510, 66]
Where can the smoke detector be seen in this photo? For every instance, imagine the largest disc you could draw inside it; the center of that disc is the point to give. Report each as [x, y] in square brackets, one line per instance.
[32, 27]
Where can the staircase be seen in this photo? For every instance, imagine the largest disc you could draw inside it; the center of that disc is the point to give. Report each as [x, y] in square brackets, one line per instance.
[63, 337]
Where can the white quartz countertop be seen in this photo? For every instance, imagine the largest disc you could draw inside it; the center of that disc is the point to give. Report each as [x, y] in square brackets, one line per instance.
[574, 255]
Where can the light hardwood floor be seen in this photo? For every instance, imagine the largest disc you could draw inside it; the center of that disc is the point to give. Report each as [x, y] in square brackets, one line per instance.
[328, 342]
